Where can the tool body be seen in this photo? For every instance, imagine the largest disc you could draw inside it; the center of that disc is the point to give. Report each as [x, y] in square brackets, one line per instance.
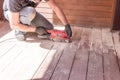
[58, 35]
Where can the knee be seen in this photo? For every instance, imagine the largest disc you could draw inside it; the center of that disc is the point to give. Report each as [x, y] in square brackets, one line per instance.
[28, 13]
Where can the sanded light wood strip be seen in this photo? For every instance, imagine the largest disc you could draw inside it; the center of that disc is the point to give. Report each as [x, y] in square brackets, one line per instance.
[35, 59]
[43, 4]
[47, 15]
[9, 57]
[7, 42]
[109, 57]
[45, 10]
[7, 60]
[27, 63]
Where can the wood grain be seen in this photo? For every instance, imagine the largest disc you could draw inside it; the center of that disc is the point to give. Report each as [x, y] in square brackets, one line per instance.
[79, 69]
[109, 57]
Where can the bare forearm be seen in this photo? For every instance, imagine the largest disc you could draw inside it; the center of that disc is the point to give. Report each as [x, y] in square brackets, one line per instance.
[16, 25]
[58, 11]
[60, 15]
[23, 28]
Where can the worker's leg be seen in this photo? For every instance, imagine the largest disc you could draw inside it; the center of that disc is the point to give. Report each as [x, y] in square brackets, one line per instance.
[30, 17]
[40, 20]
[34, 18]
[26, 16]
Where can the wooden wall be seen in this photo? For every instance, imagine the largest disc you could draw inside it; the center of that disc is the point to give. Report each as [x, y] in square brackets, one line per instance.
[1, 10]
[82, 12]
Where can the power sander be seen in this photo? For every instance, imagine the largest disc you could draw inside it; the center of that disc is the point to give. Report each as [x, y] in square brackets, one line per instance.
[58, 35]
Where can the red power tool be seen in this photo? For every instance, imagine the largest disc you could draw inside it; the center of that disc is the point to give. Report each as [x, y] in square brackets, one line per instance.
[58, 35]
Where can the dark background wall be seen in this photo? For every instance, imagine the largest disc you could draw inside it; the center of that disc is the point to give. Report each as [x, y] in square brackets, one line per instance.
[116, 17]
[1, 11]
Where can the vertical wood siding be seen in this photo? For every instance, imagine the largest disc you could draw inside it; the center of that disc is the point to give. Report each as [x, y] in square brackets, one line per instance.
[82, 12]
[1, 10]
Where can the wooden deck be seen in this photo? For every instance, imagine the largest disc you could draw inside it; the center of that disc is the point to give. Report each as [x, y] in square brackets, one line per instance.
[93, 54]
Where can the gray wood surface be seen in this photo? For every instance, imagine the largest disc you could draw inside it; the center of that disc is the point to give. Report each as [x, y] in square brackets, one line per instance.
[93, 54]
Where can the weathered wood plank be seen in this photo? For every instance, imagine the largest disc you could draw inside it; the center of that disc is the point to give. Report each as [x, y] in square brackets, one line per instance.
[76, 35]
[81, 59]
[1, 11]
[109, 57]
[95, 66]
[46, 69]
[4, 28]
[116, 39]
[63, 68]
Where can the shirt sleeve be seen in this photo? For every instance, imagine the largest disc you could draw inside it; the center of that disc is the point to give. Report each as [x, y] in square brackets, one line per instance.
[46, 0]
[14, 6]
